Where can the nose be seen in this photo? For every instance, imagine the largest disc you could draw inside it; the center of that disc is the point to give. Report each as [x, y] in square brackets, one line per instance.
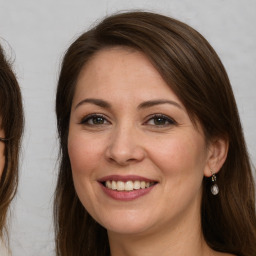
[125, 147]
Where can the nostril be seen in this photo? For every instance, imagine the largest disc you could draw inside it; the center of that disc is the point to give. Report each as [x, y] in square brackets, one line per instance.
[123, 161]
[124, 147]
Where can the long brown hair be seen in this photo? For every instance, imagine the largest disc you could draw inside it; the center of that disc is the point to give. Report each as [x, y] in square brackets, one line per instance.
[11, 113]
[192, 69]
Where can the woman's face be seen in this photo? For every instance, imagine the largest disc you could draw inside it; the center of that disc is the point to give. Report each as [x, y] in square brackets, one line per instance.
[137, 160]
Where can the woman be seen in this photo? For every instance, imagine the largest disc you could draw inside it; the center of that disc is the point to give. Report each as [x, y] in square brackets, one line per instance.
[11, 126]
[152, 155]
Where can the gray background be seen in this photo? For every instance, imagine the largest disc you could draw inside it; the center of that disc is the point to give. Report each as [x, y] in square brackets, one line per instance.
[38, 33]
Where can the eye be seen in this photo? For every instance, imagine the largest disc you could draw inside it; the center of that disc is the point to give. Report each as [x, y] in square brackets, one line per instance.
[94, 119]
[160, 120]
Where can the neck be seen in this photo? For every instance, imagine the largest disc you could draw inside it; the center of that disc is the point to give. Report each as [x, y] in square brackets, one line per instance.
[180, 238]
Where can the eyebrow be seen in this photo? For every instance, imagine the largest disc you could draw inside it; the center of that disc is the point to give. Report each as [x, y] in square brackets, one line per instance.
[151, 103]
[143, 105]
[98, 102]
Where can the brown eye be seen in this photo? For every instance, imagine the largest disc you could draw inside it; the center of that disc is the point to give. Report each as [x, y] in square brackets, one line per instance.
[94, 119]
[97, 120]
[160, 120]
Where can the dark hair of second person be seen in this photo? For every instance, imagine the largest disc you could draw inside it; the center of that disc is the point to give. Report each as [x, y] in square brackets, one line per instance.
[11, 126]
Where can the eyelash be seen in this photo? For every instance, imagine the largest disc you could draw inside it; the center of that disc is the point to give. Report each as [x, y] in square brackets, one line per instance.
[154, 117]
[85, 120]
[164, 118]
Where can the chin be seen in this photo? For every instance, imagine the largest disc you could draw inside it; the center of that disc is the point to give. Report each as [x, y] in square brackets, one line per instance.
[127, 229]
[127, 224]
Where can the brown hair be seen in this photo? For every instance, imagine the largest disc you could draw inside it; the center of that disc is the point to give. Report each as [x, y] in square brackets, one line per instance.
[192, 69]
[11, 113]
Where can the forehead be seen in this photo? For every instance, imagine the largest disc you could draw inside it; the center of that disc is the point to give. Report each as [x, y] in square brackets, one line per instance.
[115, 59]
[119, 69]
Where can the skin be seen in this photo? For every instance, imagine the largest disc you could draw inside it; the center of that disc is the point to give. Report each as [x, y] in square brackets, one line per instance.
[129, 140]
[2, 157]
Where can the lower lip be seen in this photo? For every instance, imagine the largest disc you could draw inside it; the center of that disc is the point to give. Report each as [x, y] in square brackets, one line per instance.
[126, 195]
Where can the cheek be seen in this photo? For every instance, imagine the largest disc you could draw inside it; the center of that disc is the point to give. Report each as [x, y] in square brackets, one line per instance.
[2, 161]
[84, 155]
[2, 158]
[180, 155]
[181, 160]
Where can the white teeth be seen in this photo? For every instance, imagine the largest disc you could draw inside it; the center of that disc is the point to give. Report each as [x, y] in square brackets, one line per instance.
[128, 185]
[114, 186]
[109, 184]
[120, 185]
[136, 184]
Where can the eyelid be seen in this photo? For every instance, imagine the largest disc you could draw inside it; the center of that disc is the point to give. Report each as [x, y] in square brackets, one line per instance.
[92, 115]
[169, 119]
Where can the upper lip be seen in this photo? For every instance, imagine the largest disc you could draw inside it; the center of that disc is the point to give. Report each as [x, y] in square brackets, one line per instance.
[125, 178]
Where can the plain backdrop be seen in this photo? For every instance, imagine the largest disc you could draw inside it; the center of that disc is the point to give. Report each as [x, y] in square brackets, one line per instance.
[36, 34]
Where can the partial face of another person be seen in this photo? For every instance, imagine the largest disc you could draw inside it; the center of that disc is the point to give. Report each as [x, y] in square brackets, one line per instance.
[2, 157]
[137, 160]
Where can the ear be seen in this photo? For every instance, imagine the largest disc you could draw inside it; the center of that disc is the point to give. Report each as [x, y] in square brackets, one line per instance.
[217, 154]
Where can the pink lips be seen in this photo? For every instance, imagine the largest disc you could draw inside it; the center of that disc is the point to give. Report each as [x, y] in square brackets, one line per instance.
[125, 195]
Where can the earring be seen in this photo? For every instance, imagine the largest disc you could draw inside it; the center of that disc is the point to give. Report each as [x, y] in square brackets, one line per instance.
[214, 187]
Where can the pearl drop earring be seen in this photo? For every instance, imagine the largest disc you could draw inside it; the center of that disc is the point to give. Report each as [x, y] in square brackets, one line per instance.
[214, 187]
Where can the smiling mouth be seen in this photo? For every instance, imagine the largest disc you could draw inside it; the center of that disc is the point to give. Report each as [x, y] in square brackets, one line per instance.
[127, 185]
